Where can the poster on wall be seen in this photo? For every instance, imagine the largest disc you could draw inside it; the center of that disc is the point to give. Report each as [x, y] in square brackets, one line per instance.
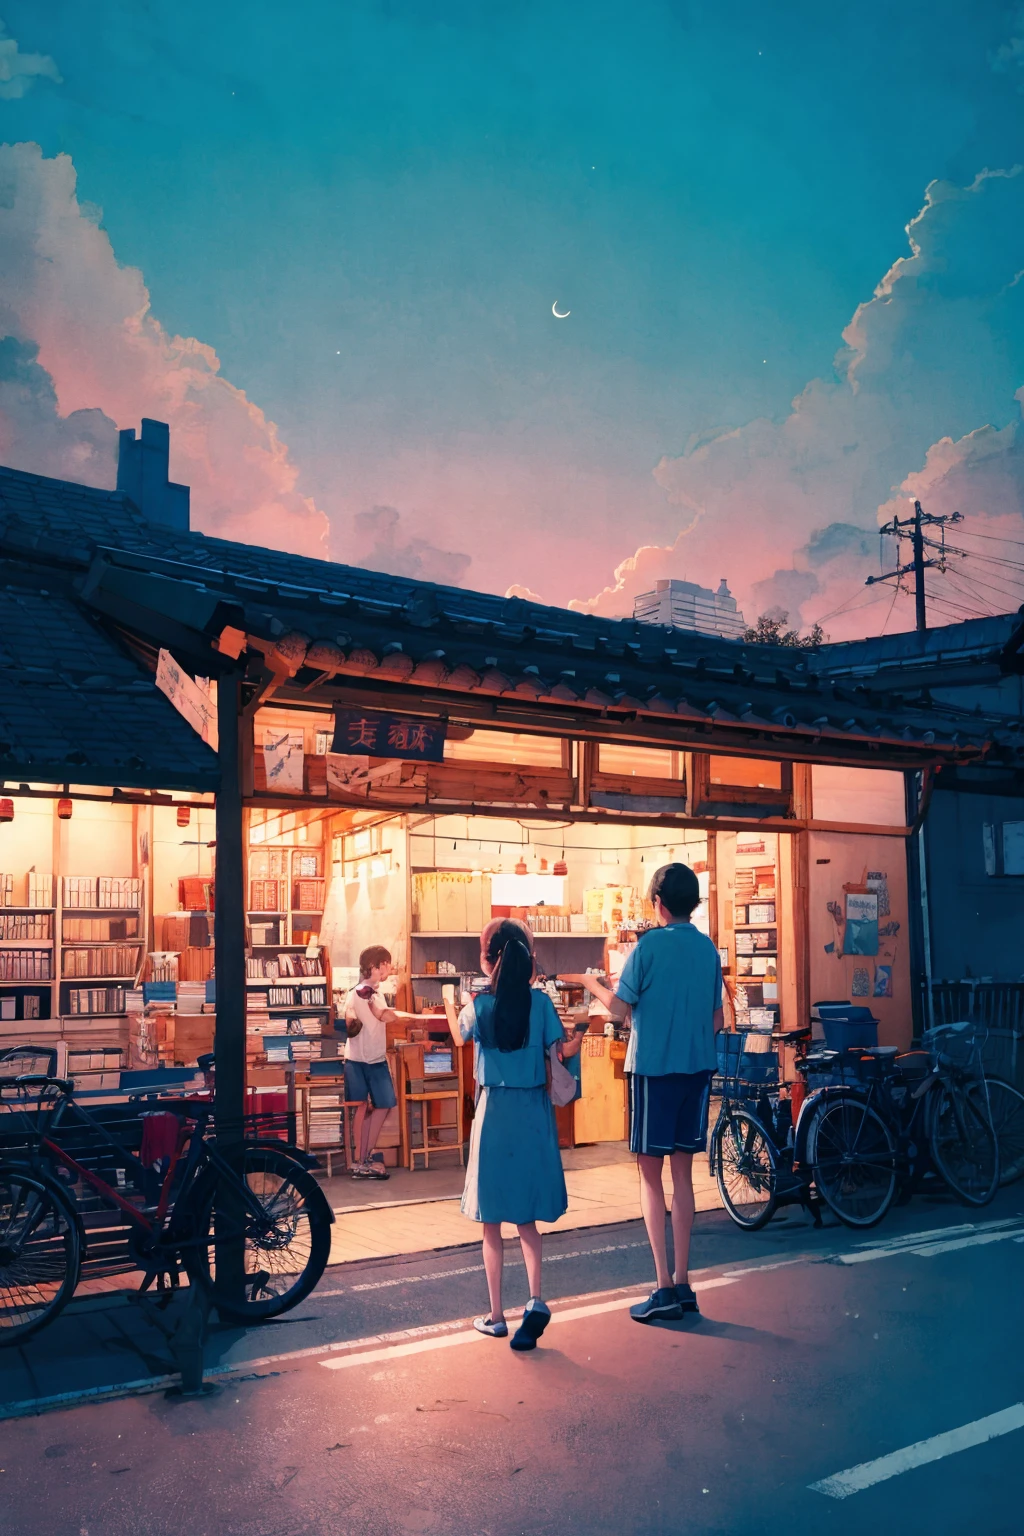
[878, 881]
[883, 981]
[860, 935]
[283, 756]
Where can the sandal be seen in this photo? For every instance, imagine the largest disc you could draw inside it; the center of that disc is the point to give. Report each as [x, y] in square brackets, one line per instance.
[493, 1330]
[535, 1320]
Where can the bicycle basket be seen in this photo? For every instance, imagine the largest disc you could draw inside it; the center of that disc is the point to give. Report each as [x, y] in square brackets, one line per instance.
[34, 1060]
[957, 1045]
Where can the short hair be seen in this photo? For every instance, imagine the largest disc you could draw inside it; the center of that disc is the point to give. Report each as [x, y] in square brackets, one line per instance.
[375, 955]
[677, 887]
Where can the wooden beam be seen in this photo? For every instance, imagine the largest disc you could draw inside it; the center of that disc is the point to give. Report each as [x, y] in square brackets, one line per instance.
[516, 713]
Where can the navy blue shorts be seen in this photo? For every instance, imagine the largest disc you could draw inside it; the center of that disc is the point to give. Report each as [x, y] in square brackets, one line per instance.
[669, 1114]
[370, 1080]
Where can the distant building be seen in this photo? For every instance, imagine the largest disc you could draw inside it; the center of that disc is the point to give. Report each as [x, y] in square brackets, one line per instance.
[685, 605]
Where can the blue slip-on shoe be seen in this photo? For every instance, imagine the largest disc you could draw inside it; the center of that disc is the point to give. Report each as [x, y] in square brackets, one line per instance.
[686, 1298]
[535, 1319]
[493, 1330]
[661, 1306]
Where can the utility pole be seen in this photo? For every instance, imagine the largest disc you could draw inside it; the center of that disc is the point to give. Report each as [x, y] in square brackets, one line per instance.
[917, 544]
[913, 528]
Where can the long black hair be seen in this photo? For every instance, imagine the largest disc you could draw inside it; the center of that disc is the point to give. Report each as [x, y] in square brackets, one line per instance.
[508, 950]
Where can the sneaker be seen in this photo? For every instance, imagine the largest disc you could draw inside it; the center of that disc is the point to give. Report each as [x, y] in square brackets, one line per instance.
[375, 1167]
[493, 1330]
[686, 1299]
[360, 1171]
[535, 1319]
[661, 1306]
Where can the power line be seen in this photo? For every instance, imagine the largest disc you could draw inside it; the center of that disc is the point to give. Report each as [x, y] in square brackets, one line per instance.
[994, 538]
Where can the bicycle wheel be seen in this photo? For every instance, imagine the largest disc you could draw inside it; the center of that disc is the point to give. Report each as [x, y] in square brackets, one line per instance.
[40, 1254]
[746, 1169]
[281, 1235]
[963, 1142]
[1006, 1104]
[853, 1155]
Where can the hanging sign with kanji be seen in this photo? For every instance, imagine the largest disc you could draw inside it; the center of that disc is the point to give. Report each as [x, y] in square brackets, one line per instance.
[367, 733]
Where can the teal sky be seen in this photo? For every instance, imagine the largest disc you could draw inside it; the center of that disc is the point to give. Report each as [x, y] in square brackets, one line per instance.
[368, 208]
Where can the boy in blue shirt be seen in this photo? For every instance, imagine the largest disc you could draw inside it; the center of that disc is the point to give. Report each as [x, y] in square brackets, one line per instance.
[672, 982]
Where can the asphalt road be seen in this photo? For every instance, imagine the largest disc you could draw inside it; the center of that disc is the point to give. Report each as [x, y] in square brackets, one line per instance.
[816, 1353]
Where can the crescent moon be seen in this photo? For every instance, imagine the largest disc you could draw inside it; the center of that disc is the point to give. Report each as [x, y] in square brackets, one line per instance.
[558, 314]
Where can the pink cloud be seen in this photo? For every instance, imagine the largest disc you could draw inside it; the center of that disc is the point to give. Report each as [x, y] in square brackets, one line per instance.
[924, 365]
[104, 351]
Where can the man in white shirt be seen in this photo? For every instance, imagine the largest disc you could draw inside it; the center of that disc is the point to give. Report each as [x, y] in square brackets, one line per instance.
[367, 1074]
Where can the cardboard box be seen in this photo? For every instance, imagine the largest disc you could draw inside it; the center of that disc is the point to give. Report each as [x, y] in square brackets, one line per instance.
[451, 902]
[424, 903]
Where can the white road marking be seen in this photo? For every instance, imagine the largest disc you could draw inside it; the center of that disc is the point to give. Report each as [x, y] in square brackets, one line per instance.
[979, 1240]
[362, 1348]
[478, 1269]
[939, 1240]
[856, 1479]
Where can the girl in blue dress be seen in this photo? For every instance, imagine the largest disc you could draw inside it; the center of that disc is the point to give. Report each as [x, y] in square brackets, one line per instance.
[514, 1172]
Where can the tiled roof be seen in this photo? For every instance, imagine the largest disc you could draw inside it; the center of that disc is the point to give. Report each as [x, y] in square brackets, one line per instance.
[342, 622]
[75, 707]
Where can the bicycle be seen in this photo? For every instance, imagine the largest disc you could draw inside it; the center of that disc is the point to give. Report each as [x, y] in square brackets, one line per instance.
[1006, 1108]
[256, 1238]
[840, 1148]
[916, 1113]
[750, 1150]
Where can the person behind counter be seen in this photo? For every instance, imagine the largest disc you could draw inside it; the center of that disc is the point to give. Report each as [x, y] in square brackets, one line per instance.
[514, 1172]
[367, 1075]
[672, 981]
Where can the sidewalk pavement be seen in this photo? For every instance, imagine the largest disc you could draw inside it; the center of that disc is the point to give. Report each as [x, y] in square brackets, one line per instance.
[599, 1195]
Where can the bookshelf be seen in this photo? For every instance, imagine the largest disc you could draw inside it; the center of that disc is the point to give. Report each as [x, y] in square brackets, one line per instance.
[288, 973]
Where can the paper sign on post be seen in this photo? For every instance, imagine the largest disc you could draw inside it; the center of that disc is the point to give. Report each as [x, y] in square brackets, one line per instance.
[188, 698]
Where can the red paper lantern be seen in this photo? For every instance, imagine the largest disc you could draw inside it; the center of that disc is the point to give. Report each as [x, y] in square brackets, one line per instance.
[521, 867]
[184, 815]
[561, 867]
[64, 809]
[6, 810]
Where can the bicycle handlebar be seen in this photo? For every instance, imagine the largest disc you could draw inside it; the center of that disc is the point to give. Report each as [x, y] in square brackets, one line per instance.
[42, 1080]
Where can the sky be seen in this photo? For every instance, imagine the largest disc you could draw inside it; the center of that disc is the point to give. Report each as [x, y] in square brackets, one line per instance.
[324, 243]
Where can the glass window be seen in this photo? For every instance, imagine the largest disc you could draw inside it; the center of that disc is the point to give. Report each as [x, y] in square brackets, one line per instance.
[866, 796]
[639, 762]
[506, 747]
[750, 772]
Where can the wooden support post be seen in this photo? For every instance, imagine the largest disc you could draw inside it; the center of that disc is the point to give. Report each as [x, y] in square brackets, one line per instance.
[801, 926]
[229, 955]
